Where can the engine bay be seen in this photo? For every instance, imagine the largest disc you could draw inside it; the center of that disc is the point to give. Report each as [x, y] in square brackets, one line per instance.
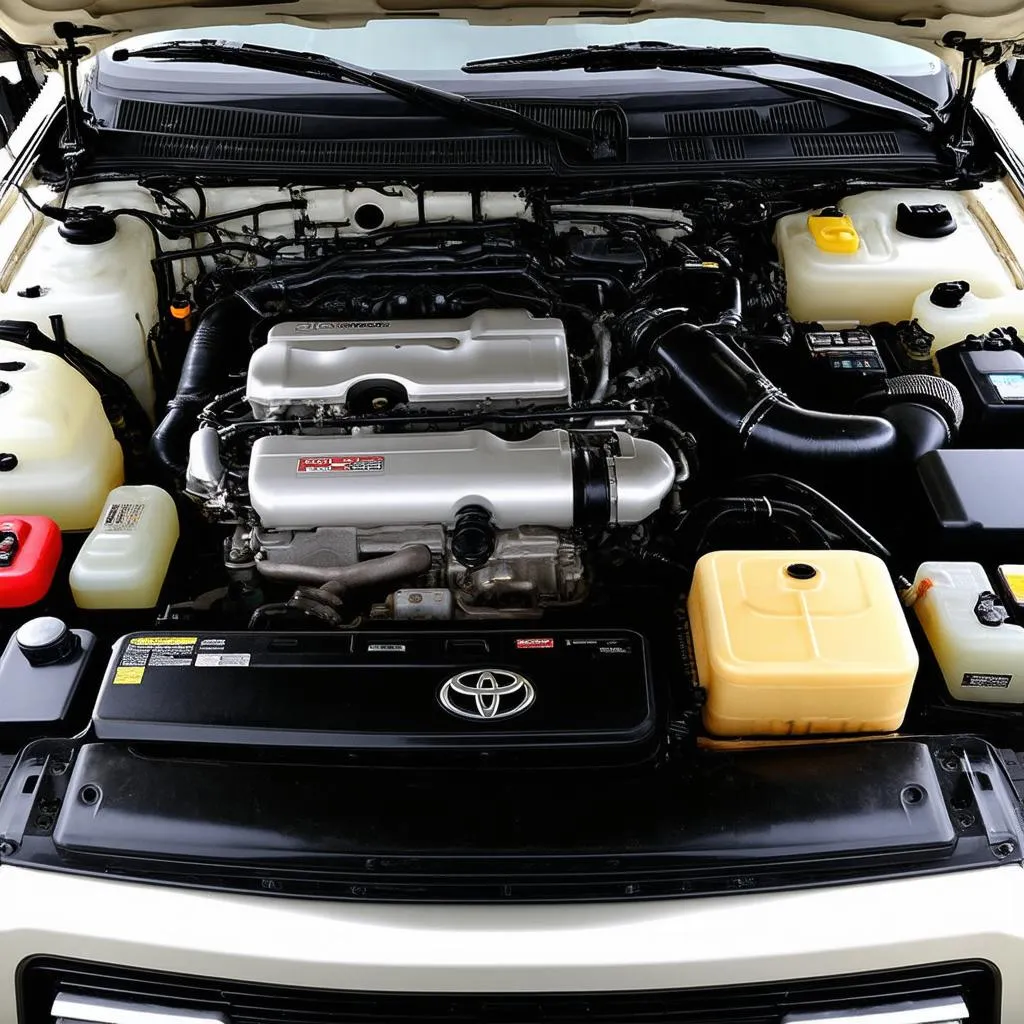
[568, 475]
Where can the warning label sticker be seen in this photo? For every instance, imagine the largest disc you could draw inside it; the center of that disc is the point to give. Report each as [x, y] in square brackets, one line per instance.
[986, 679]
[123, 517]
[340, 464]
[535, 643]
[223, 660]
[129, 675]
[159, 651]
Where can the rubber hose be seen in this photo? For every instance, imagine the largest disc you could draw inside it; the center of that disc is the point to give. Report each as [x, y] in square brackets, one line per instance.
[732, 392]
[202, 378]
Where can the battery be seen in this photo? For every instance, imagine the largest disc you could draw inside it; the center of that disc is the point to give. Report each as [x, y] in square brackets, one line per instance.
[398, 693]
[989, 373]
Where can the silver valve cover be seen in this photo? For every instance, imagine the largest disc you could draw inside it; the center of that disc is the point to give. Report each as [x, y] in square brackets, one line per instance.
[407, 479]
[506, 356]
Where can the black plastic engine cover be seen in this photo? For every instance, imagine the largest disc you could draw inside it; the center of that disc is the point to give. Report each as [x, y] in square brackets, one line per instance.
[390, 692]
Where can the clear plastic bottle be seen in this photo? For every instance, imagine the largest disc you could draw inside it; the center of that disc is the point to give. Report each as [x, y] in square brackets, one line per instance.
[124, 561]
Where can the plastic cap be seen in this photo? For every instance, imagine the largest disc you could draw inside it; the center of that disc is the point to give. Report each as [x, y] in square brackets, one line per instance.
[949, 294]
[46, 641]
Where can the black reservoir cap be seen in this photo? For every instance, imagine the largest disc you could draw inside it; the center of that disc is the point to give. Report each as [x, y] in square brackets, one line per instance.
[949, 294]
[924, 220]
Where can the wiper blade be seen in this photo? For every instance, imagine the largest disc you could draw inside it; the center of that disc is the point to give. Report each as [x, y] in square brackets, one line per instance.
[328, 69]
[727, 62]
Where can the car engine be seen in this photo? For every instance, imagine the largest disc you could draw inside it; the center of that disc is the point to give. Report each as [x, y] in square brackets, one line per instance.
[379, 409]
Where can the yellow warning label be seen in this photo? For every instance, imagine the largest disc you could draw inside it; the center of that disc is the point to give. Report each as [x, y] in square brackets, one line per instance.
[163, 641]
[129, 675]
[1014, 577]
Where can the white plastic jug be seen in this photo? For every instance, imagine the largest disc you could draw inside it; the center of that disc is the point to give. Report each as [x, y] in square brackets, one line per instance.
[105, 292]
[58, 455]
[880, 279]
[980, 662]
[951, 313]
[124, 561]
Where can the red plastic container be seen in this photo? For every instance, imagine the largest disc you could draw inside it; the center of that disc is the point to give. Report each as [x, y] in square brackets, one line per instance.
[30, 549]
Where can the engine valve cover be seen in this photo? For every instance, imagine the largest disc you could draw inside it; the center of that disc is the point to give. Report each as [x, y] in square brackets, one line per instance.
[506, 356]
[552, 479]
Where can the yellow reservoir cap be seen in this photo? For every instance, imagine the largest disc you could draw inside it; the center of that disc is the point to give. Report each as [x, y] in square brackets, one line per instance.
[833, 231]
[798, 642]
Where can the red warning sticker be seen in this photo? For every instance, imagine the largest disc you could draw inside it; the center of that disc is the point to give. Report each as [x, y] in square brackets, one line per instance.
[340, 464]
[535, 643]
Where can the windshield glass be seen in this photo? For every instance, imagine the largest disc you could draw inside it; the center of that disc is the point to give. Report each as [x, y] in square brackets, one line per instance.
[415, 45]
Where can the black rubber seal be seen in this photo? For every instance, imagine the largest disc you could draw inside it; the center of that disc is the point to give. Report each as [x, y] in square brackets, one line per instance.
[591, 489]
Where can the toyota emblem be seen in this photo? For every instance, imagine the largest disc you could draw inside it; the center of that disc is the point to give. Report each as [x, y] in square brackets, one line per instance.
[483, 695]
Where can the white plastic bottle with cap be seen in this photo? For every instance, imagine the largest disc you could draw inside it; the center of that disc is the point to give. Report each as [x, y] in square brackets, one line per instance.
[980, 653]
[951, 311]
[124, 561]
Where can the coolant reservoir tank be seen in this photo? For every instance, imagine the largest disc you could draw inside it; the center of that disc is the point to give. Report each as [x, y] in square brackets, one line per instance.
[101, 283]
[794, 642]
[58, 454]
[124, 561]
[952, 311]
[868, 259]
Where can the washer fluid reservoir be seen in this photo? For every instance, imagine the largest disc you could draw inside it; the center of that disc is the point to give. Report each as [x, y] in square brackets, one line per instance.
[868, 259]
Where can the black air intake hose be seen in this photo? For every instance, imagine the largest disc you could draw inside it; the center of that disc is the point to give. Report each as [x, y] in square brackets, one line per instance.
[202, 378]
[719, 379]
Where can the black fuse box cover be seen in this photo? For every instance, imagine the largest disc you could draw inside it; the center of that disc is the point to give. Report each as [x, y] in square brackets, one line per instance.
[411, 692]
[977, 496]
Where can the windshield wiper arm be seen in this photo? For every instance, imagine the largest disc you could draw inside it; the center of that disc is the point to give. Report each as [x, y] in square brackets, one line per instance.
[726, 62]
[328, 69]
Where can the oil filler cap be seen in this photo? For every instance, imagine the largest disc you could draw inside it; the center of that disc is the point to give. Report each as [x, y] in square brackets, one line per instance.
[46, 641]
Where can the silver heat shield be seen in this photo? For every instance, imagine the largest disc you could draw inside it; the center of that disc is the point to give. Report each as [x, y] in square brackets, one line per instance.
[504, 356]
[302, 482]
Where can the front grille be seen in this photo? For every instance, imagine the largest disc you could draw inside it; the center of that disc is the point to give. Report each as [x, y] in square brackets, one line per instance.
[41, 980]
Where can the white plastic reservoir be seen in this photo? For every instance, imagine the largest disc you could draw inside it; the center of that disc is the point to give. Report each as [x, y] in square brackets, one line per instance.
[58, 455]
[981, 657]
[124, 561]
[875, 272]
[951, 314]
[106, 293]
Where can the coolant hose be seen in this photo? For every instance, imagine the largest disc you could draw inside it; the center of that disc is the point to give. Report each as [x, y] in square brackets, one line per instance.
[202, 377]
[731, 391]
